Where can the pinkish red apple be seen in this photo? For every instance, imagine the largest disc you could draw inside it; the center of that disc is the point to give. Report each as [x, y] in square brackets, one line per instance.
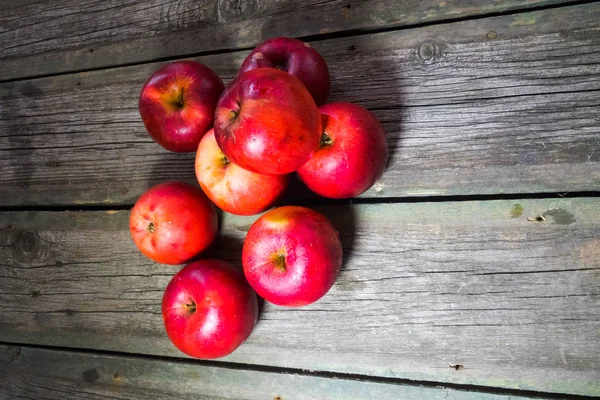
[294, 57]
[209, 309]
[178, 102]
[292, 256]
[352, 153]
[173, 222]
[267, 122]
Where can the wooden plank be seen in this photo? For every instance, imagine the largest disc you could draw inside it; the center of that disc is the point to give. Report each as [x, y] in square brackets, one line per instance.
[517, 113]
[425, 286]
[29, 373]
[46, 37]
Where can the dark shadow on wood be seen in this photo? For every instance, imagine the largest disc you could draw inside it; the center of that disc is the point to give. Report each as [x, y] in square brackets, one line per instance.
[343, 219]
[167, 162]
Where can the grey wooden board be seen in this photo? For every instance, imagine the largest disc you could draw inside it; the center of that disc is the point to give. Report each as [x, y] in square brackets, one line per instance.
[44, 37]
[29, 373]
[424, 286]
[518, 113]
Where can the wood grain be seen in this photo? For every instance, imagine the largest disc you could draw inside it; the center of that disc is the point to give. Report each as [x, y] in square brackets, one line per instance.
[424, 287]
[28, 373]
[39, 37]
[464, 114]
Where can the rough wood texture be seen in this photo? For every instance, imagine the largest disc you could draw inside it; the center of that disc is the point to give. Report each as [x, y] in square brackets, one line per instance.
[425, 287]
[27, 373]
[465, 114]
[40, 37]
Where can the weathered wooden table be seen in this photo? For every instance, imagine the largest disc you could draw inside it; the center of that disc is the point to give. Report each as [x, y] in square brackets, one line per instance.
[451, 288]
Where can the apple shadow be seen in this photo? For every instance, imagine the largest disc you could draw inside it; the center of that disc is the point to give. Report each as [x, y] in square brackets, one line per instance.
[390, 111]
[383, 91]
[296, 193]
[228, 247]
[167, 166]
[343, 219]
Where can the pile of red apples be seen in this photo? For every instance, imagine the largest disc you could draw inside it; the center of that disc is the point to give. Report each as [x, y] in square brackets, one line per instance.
[249, 138]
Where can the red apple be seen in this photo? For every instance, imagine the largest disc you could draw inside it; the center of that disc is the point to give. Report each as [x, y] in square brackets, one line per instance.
[267, 122]
[291, 256]
[173, 222]
[231, 187]
[351, 156]
[209, 309]
[294, 57]
[178, 102]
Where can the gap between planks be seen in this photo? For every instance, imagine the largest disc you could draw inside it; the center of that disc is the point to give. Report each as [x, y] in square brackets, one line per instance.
[321, 201]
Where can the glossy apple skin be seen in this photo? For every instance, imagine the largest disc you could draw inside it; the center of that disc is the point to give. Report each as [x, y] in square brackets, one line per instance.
[173, 222]
[351, 156]
[231, 187]
[267, 122]
[178, 102]
[292, 256]
[294, 57]
[209, 309]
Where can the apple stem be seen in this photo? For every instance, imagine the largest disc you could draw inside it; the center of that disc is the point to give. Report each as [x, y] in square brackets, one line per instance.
[280, 261]
[325, 140]
[179, 103]
[235, 113]
[224, 160]
[151, 227]
[191, 308]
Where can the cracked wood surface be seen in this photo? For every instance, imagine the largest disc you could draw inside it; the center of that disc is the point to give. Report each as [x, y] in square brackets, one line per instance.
[424, 286]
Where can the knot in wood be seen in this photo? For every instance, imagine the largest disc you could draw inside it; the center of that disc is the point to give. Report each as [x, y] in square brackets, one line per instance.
[427, 52]
[237, 10]
[27, 246]
[10, 354]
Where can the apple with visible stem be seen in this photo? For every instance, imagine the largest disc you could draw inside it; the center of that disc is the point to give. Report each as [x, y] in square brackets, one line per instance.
[352, 153]
[294, 57]
[292, 256]
[209, 309]
[267, 122]
[173, 222]
[231, 187]
[178, 102]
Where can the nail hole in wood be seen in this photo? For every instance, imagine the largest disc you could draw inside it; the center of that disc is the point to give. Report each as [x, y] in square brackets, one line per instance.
[539, 218]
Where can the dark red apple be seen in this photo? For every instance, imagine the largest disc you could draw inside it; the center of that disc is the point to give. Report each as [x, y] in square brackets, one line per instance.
[267, 122]
[292, 256]
[231, 187]
[351, 156]
[178, 102]
[209, 309]
[173, 222]
[294, 57]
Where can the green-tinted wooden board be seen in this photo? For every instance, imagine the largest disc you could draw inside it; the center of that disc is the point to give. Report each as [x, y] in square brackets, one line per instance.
[424, 287]
[466, 112]
[28, 373]
[39, 37]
